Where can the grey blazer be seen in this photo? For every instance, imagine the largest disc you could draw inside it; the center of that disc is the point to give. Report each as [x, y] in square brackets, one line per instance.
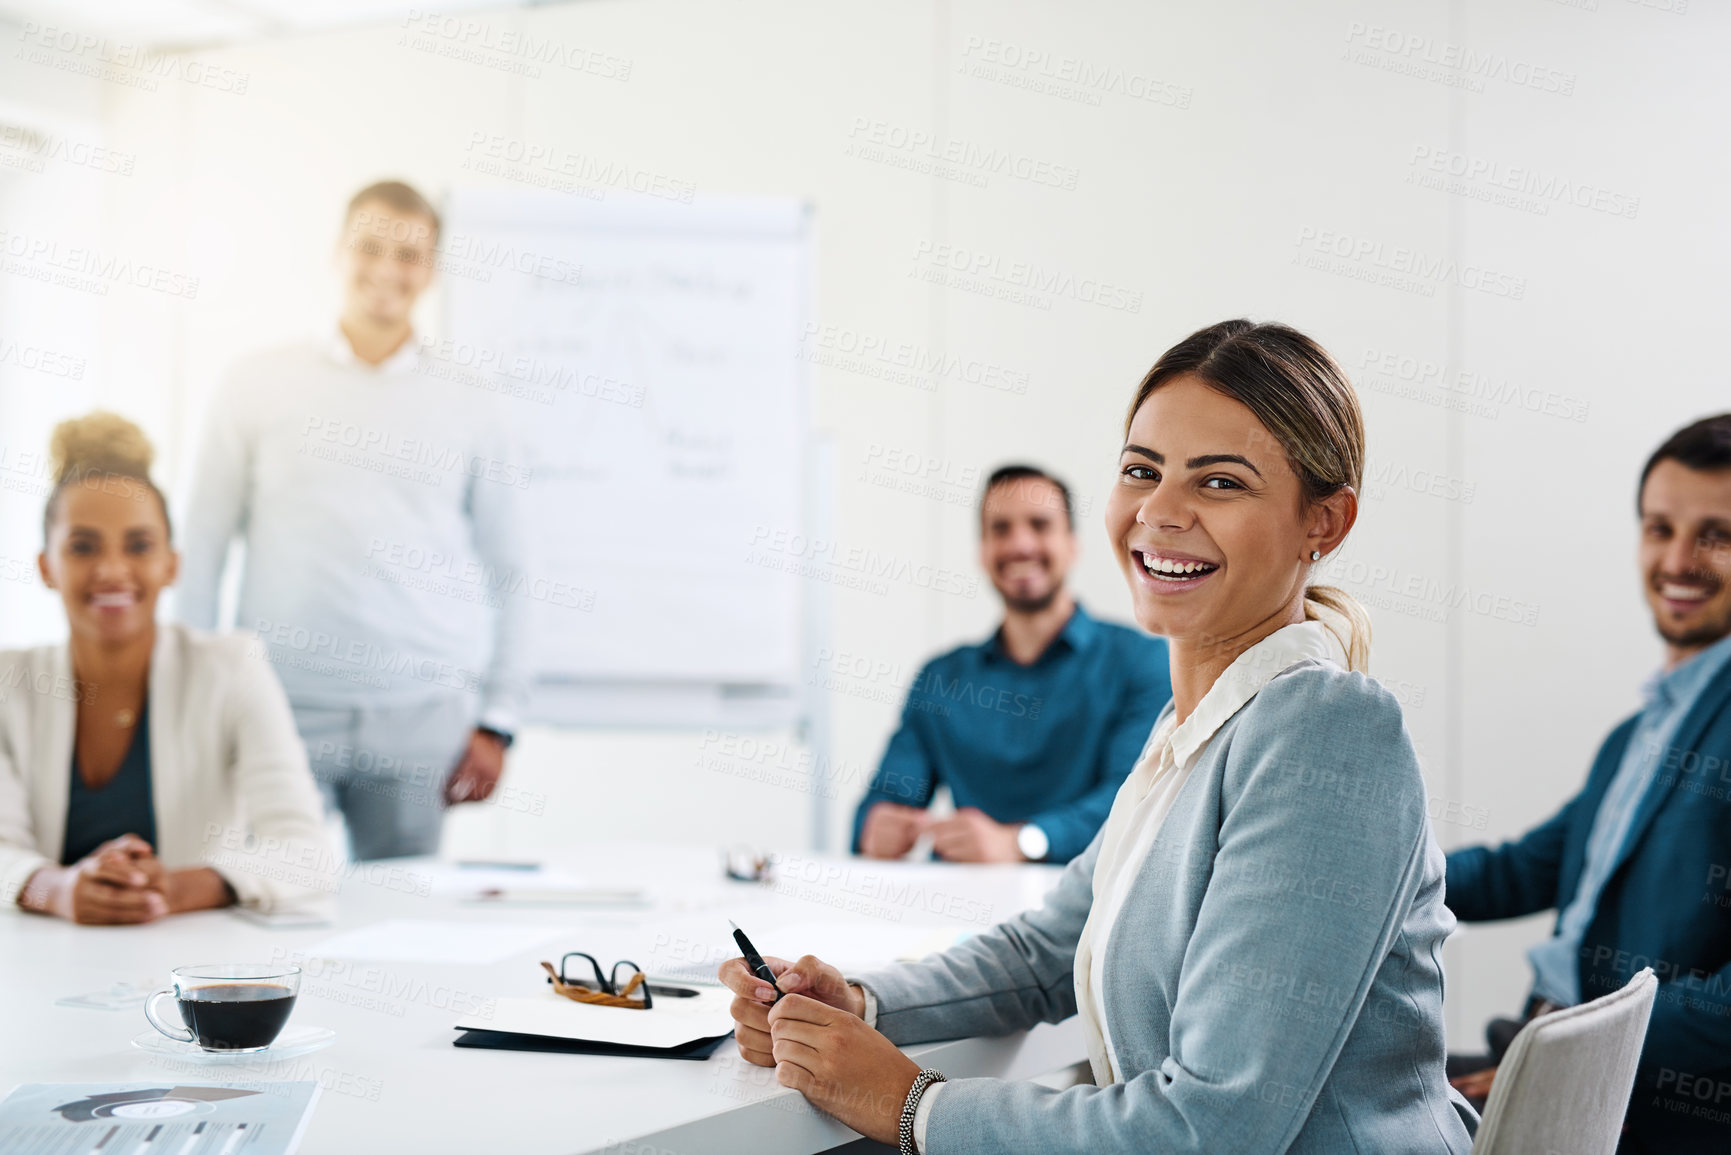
[1273, 981]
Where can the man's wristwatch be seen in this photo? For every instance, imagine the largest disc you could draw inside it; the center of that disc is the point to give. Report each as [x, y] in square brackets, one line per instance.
[499, 736]
[1033, 843]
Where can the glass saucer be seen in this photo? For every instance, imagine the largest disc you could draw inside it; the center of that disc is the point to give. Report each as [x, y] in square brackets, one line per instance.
[292, 1043]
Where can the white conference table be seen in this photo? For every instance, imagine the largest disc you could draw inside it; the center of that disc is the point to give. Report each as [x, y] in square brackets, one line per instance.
[392, 1079]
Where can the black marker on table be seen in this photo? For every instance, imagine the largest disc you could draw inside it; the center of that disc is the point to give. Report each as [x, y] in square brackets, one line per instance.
[754, 960]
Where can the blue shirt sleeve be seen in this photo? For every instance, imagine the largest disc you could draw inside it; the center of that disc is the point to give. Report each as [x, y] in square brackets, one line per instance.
[1143, 693]
[906, 774]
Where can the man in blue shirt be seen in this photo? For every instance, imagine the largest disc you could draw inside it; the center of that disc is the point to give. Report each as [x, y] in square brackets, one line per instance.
[1637, 864]
[1033, 729]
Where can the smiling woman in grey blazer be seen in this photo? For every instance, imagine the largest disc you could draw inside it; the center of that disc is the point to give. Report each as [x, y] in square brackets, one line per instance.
[1252, 940]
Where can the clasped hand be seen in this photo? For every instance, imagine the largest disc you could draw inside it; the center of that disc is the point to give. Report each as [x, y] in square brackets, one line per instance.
[968, 835]
[121, 881]
[819, 1044]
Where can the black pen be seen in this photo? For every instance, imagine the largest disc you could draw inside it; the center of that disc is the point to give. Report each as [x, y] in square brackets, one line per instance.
[754, 960]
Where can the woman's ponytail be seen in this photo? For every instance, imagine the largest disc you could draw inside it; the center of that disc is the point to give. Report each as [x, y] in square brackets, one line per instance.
[1340, 614]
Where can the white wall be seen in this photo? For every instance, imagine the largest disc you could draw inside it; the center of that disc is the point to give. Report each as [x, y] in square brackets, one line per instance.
[50, 349]
[1275, 129]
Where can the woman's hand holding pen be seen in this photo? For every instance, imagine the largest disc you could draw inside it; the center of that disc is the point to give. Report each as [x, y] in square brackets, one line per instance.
[843, 1067]
[752, 998]
[817, 1041]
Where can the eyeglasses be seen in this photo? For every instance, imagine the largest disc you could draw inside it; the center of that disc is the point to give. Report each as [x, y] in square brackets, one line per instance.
[748, 864]
[606, 990]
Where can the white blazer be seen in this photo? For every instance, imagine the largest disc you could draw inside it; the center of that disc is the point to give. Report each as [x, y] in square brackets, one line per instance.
[228, 774]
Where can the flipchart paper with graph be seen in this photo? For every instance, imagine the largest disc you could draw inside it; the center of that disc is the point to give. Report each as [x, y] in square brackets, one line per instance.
[648, 350]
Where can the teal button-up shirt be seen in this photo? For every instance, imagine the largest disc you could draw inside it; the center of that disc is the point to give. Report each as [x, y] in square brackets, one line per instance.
[1047, 743]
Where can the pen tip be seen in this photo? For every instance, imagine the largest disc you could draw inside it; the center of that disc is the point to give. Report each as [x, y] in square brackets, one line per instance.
[733, 924]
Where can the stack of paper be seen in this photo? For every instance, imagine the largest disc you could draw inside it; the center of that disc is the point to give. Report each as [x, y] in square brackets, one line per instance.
[534, 886]
[672, 1027]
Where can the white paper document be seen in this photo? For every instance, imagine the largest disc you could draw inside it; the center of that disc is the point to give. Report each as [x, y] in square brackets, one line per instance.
[524, 887]
[669, 1023]
[453, 881]
[436, 941]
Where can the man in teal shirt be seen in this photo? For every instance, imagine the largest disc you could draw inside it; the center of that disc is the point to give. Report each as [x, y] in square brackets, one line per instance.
[1033, 729]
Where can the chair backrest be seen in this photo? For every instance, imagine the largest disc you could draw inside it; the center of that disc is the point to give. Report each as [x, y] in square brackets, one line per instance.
[1564, 1084]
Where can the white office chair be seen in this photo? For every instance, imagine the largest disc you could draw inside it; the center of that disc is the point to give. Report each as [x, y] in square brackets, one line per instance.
[1564, 1084]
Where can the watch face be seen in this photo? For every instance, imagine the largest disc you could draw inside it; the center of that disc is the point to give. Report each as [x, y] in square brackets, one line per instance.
[1032, 842]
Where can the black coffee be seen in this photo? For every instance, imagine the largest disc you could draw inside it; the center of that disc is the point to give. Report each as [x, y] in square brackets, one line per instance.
[235, 1016]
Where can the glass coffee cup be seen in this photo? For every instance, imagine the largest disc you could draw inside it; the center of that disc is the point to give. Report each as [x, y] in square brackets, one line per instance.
[235, 1008]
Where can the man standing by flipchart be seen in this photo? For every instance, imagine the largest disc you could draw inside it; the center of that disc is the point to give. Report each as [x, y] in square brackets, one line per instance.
[379, 501]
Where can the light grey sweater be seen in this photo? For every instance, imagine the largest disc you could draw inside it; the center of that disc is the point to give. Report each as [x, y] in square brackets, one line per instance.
[381, 509]
[1273, 982]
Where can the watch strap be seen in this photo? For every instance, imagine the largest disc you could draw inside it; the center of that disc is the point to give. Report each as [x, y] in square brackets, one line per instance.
[1033, 842]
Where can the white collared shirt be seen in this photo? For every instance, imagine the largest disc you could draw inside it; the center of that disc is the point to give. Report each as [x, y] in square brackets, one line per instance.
[405, 360]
